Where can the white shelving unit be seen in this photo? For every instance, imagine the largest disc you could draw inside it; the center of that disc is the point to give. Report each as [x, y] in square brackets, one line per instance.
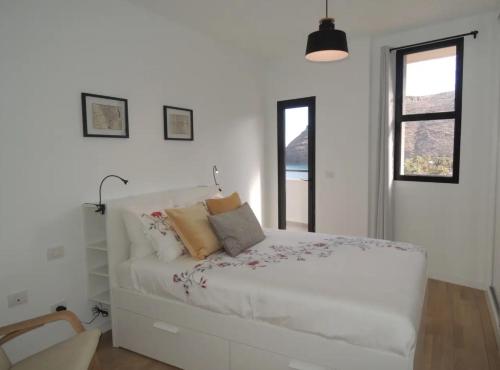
[94, 227]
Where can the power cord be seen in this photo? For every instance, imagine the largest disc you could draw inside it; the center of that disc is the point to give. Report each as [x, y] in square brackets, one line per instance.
[97, 311]
[92, 320]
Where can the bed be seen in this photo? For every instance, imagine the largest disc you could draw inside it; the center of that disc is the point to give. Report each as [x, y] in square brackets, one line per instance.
[294, 301]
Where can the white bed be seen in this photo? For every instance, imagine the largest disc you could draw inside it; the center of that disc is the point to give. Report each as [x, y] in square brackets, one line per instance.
[296, 300]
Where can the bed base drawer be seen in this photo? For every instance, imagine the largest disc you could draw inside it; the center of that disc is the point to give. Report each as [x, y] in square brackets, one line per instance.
[171, 344]
[248, 358]
[159, 320]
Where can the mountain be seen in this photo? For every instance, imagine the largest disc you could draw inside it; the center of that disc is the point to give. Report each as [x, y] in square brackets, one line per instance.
[442, 102]
[429, 138]
[296, 151]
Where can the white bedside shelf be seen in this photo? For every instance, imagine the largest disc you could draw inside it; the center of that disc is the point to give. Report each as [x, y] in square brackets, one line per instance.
[103, 298]
[94, 228]
[98, 246]
[100, 271]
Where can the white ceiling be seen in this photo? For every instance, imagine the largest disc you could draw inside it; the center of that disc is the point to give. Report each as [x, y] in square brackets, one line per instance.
[272, 28]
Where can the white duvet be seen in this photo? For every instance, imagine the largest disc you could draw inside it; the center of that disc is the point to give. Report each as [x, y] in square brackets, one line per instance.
[366, 292]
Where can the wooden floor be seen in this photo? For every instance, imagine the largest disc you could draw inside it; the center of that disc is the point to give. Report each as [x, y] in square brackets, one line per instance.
[456, 334]
[121, 359]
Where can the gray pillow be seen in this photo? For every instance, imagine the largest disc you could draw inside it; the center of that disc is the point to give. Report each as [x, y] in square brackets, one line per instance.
[237, 230]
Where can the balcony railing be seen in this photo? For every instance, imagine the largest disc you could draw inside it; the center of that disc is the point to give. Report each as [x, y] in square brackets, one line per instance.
[297, 200]
[297, 174]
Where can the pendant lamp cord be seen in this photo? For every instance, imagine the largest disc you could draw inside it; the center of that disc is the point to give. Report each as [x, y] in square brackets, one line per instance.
[326, 8]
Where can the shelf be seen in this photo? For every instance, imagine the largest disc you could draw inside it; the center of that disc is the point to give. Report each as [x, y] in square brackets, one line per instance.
[96, 251]
[98, 246]
[100, 271]
[102, 298]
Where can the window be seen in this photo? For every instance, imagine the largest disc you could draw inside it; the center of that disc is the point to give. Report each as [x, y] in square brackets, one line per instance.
[428, 112]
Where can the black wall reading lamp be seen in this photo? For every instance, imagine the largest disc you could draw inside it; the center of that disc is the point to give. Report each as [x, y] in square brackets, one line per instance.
[101, 208]
[215, 171]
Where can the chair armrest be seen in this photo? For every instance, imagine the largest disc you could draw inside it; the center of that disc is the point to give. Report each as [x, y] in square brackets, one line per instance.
[9, 332]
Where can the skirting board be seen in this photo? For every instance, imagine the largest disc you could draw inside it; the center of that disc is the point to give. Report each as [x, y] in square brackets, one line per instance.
[495, 320]
[457, 280]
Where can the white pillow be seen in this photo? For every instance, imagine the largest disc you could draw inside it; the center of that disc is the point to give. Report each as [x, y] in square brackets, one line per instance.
[140, 245]
[165, 241]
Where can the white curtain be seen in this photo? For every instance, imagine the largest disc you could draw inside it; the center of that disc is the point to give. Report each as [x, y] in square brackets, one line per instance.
[384, 149]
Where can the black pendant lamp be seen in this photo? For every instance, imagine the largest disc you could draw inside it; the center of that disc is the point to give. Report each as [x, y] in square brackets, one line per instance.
[327, 44]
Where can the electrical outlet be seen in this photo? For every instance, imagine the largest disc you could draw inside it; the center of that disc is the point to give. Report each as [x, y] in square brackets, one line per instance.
[53, 308]
[55, 252]
[16, 299]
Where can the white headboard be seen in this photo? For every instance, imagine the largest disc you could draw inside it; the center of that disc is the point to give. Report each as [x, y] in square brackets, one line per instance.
[118, 242]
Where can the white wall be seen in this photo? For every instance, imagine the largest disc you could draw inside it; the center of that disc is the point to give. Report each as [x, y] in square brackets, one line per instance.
[342, 112]
[297, 200]
[455, 222]
[51, 51]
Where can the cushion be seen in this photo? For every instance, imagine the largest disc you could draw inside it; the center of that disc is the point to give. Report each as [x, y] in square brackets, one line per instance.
[74, 353]
[140, 245]
[217, 206]
[237, 230]
[191, 223]
[165, 241]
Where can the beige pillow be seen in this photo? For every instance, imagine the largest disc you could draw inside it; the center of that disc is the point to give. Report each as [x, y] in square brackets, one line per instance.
[222, 205]
[192, 226]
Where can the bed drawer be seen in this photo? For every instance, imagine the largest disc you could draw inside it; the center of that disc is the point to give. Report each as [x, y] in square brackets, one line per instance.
[249, 358]
[171, 344]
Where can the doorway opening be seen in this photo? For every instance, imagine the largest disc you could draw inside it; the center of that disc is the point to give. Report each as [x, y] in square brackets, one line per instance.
[296, 164]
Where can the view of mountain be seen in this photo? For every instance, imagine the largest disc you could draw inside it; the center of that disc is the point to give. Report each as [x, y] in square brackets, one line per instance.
[442, 102]
[429, 138]
[424, 139]
[296, 151]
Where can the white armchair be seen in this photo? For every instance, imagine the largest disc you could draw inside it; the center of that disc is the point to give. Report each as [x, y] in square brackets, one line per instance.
[76, 353]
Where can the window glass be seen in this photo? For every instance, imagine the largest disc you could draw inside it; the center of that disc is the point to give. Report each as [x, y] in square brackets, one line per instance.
[427, 148]
[429, 81]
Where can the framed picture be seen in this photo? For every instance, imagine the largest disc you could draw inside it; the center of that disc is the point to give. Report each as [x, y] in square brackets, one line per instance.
[178, 123]
[104, 116]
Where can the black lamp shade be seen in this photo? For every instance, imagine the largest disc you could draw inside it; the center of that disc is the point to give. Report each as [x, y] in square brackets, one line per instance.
[327, 44]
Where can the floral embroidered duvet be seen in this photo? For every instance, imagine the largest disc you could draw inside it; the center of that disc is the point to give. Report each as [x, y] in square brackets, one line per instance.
[366, 292]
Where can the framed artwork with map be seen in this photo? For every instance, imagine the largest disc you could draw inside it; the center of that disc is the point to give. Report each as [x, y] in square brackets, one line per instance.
[104, 116]
[178, 123]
